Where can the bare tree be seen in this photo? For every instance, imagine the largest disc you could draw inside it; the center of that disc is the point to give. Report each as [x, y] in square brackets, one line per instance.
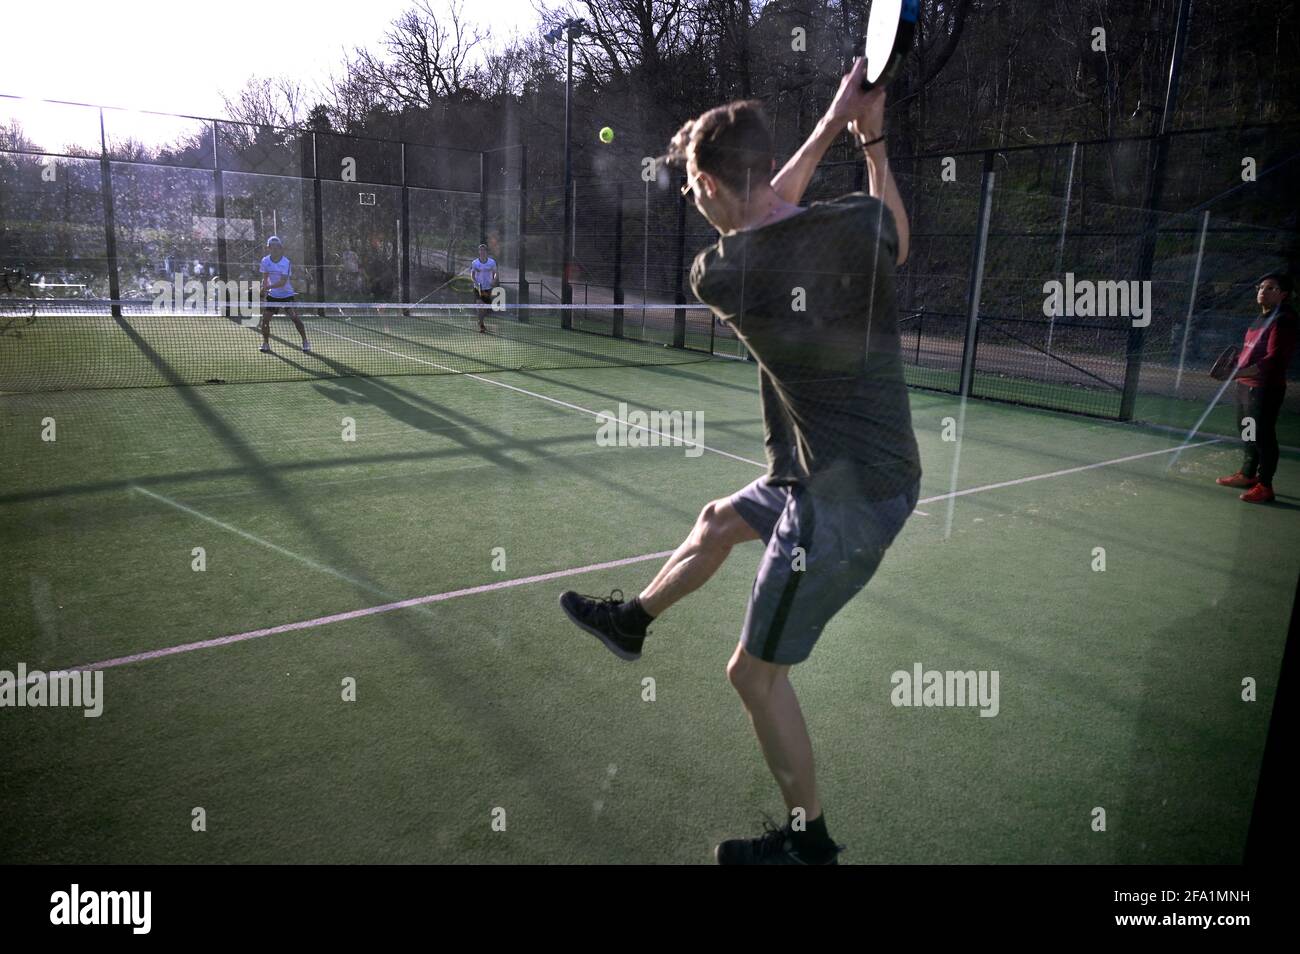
[349, 95]
[269, 101]
[513, 69]
[13, 138]
[427, 58]
[627, 35]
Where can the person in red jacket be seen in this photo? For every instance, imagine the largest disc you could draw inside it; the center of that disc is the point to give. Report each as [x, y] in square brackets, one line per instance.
[1261, 385]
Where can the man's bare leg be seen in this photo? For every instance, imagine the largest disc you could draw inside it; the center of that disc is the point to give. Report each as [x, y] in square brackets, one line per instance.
[622, 625]
[773, 709]
[717, 529]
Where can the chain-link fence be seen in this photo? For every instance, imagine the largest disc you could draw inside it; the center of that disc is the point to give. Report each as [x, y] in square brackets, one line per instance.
[103, 203]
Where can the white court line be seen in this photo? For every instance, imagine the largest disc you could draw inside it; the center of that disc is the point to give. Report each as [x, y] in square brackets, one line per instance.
[1187, 441]
[419, 602]
[599, 415]
[422, 601]
[264, 543]
[956, 462]
[1062, 473]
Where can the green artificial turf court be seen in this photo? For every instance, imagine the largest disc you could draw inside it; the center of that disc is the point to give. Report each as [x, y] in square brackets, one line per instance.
[143, 348]
[1118, 689]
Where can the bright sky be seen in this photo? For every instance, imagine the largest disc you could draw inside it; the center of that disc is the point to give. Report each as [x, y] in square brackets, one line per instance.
[180, 56]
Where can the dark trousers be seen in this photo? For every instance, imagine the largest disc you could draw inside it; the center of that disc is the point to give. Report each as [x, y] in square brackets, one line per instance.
[1264, 404]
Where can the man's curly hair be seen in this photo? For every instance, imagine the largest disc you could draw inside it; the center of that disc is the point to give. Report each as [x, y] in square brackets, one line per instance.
[731, 142]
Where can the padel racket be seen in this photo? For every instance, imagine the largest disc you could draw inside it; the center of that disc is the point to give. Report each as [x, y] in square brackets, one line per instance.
[1225, 363]
[457, 285]
[891, 25]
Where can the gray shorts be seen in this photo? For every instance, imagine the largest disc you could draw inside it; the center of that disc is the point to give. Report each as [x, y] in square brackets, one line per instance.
[796, 593]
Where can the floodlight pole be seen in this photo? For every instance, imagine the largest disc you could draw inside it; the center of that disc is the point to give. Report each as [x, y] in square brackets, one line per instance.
[1155, 193]
[572, 29]
[566, 290]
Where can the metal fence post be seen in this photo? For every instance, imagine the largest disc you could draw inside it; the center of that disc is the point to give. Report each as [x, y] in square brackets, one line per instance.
[219, 185]
[679, 315]
[110, 220]
[482, 199]
[405, 261]
[617, 323]
[318, 218]
[523, 231]
[1155, 193]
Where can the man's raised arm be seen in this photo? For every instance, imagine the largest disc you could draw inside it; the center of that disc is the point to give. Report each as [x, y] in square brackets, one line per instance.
[863, 112]
[881, 185]
[792, 181]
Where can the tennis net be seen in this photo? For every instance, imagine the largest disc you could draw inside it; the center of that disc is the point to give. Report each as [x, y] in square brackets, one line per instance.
[49, 345]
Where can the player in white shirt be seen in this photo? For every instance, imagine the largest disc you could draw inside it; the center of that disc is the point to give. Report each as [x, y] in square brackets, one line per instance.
[483, 270]
[277, 289]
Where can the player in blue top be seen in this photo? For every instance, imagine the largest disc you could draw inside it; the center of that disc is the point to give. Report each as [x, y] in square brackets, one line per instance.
[277, 289]
[483, 270]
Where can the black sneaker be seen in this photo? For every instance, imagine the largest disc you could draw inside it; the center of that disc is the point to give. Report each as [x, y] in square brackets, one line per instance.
[774, 847]
[597, 615]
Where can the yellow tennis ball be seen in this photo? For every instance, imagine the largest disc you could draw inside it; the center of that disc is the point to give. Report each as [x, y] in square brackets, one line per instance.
[607, 135]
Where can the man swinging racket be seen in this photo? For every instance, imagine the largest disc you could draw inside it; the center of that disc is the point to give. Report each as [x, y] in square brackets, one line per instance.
[810, 291]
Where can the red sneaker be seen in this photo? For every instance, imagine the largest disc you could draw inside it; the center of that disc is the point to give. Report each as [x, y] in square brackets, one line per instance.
[1236, 480]
[1260, 493]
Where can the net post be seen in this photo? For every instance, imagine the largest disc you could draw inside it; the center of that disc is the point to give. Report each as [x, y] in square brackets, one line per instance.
[679, 296]
[977, 278]
[110, 220]
[617, 323]
[524, 295]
